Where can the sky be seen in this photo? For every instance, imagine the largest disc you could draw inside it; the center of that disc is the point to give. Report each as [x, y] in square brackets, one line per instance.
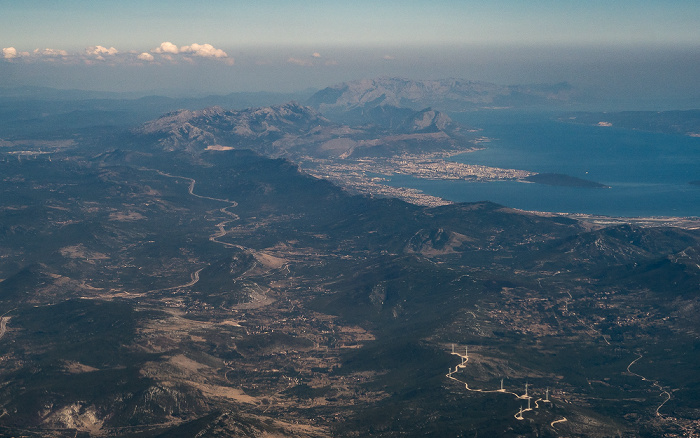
[274, 45]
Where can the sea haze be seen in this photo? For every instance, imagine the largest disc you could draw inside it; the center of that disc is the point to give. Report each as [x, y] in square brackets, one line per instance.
[648, 173]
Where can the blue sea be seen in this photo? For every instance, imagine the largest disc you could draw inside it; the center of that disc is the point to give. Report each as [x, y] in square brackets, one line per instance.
[648, 173]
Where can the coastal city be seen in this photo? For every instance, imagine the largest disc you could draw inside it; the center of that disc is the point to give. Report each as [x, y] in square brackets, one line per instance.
[369, 175]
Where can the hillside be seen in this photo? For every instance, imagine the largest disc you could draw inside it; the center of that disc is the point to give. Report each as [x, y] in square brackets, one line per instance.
[292, 130]
[157, 293]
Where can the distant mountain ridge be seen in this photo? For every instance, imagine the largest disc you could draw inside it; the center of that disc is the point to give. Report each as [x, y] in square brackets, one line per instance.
[292, 130]
[196, 130]
[441, 94]
[39, 110]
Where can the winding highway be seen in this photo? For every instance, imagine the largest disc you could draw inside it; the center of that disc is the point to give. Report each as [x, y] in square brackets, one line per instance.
[190, 189]
[519, 415]
[3, 325]
[3, 322]
[221, 226]
[258, 297]
[558, 421]
[194, 278]
[653, 382]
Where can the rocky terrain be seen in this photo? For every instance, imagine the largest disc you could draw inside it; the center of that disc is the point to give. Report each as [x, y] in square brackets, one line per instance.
[292, 130]
[186, 278]
[355, 153]
[149, 292]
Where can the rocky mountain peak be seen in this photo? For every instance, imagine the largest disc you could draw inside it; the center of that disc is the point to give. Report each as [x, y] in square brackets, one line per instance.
[196, 130]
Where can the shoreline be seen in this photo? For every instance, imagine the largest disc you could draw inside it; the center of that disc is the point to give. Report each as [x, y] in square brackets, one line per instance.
[368, 176]
[685, 222]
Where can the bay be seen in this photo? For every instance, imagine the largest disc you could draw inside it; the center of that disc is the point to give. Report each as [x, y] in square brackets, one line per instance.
[648, 173]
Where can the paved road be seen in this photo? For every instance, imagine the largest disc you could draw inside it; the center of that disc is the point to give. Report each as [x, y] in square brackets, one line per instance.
[3, 325]
[653, 382]
[519, 414]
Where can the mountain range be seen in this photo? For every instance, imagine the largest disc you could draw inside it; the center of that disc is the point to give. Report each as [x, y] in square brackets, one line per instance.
[293, 130]
[186, 278]
[442, 94]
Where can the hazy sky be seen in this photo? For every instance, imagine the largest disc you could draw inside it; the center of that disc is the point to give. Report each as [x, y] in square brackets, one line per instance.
[226, 45]
[141, 24]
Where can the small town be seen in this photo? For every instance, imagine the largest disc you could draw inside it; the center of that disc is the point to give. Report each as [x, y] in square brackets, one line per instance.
[369, 176]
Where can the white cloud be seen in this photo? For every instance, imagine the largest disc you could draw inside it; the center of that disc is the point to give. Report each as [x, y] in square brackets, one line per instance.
[9, 53]
[316, 55]
[145, 57]
[166, 47]
[301, 62]
[100, 50]
[50, 52]
[204, 50]
[388, 57]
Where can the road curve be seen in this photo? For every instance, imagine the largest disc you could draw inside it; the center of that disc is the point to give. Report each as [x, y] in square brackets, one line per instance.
[3, 322]
[518, 415]
[3, 325]
[557, 421]
[654, 383]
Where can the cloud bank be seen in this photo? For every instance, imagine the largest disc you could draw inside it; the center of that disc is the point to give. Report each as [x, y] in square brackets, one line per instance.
[166, 47]
[300, 62]
[96, 52]
[145, 56]
[168, 51]
[314, 60]
[165, 52]
[204, 50]
[51, 53]
[100, 50]
[9, 53]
